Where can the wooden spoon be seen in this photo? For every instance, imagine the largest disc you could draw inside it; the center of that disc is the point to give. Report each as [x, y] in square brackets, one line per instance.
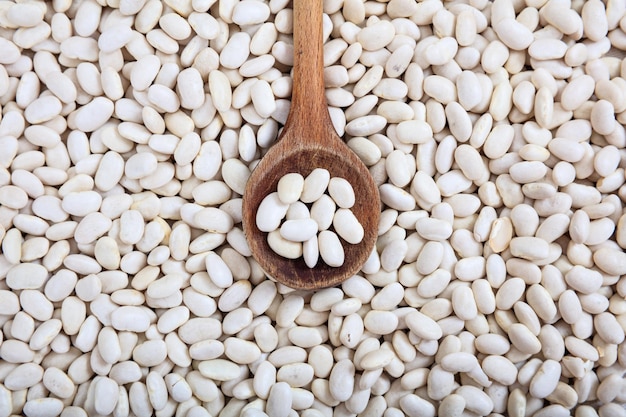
[308, 141]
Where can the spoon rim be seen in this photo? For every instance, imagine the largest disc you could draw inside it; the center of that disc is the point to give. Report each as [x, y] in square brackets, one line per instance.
[339, 161]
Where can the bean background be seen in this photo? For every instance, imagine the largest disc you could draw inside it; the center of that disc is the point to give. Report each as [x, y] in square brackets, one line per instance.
[495, 131]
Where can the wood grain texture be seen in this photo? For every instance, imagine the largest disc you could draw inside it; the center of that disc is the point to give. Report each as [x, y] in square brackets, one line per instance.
[309, 141]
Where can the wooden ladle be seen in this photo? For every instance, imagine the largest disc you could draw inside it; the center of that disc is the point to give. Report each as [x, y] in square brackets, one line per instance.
[308, 141]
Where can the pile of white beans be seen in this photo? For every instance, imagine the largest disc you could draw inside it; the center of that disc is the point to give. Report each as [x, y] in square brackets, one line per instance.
[295, 229]
[495, 131]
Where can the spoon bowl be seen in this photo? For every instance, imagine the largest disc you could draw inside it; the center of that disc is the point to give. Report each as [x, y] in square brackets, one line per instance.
[264, 180]
[308, 141]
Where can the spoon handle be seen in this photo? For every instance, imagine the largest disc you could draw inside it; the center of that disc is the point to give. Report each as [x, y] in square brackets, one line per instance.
[308, 102]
